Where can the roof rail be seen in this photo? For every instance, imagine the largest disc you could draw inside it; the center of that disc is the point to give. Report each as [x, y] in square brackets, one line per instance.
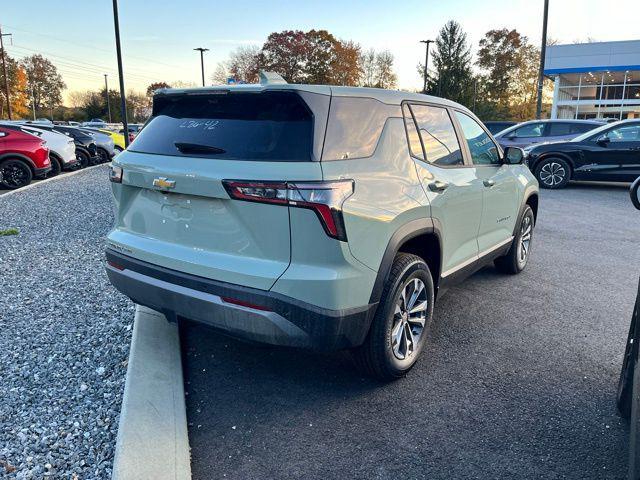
[270, 78]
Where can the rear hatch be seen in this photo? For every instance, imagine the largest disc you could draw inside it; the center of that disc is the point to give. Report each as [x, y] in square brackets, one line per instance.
[173, 208]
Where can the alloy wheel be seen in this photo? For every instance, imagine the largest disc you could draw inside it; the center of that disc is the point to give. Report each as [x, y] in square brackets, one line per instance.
[409, 319]
[552, 174]
[524, 244]
[14, 175]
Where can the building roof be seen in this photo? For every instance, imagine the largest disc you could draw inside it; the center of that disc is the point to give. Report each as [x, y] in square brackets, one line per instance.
[592, 57]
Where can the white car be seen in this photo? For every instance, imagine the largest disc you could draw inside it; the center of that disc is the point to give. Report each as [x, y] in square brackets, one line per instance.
[62, 148]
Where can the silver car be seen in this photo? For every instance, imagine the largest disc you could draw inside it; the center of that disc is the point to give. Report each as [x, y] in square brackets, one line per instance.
[106, 147]
[544, 131]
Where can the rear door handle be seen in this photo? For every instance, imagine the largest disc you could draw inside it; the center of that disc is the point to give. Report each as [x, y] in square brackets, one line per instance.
[489, 183]
[438, 186]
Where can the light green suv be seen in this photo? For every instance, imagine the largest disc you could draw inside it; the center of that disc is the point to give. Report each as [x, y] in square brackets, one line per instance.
[314, 216]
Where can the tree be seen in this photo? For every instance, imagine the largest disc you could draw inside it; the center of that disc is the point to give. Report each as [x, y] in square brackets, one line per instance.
[347, 69]
[385, 78]
[509, 77]
[286, 53]
[315, 57]
[156, 86]
[244, 64]
[452, 78]
[369, 68]
[18, 90]
[220, 75]
[44, 81]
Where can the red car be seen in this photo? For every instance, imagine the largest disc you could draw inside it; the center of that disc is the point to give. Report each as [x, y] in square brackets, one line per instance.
[22, 157]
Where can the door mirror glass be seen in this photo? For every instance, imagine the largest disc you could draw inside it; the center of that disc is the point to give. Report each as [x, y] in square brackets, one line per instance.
[513, 155]
[635, 193]
[603, 140]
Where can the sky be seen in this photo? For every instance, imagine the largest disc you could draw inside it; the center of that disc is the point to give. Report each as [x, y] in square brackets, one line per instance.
[158, 37]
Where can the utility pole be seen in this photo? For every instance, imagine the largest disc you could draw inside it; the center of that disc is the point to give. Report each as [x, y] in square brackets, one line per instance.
[106, 94]
[202, 50]
[123, 101]
[6, 75]
[426, 64]
[543, 51]
[33, 101]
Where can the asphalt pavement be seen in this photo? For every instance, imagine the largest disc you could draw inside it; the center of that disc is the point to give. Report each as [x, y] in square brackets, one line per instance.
[519, 380]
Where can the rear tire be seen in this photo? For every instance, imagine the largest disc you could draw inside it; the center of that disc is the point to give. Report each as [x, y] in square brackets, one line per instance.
[83, 158]
[402, 322]
[553, 172]
[56, 166]
[104, 155]
[15, 174]
[517, 257]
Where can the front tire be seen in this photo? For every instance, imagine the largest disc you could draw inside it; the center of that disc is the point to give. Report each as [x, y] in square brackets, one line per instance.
[553, 173]
[402, 321]
[83, 158]
[15, 174]
[517, 257]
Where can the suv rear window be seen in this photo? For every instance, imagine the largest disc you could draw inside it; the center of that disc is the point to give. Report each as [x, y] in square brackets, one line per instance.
[266, 126]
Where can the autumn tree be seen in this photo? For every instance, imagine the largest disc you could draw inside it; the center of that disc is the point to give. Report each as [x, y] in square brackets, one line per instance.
[45, 83]
[243, 65]
[315, 57]
[509, 65]
[18, 90]
[156, 86]
[286, 53]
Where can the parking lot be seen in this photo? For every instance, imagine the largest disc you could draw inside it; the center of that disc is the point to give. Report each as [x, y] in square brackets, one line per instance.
[520, 381]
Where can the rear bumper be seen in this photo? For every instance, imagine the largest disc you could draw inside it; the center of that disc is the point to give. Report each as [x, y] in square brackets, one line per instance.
[41, 172]
[280, 320]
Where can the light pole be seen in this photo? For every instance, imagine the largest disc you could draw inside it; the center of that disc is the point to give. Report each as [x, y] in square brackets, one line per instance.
[426, 64]
[6, 75]
[202, 50]
[123, 101]
[106, 94]
[543, 51]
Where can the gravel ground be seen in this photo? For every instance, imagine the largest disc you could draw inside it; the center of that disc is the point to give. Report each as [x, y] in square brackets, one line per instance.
[519, 382]
[65, 332]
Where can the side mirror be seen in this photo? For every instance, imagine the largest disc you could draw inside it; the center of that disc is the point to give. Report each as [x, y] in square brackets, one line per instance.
[603, 140]
[514, 155]
[635, 193]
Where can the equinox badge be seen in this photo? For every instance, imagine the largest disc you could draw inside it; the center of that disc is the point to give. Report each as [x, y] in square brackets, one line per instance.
[164, 183]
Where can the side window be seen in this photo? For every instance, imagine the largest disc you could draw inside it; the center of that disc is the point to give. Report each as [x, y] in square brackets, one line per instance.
[438, 135]
[483, 150]
[582, 127]
[530, 130]
[415, 147]
[354, 127]
[558, 129]
[627, 133]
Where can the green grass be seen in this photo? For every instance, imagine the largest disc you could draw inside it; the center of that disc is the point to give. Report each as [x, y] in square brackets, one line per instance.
[9, 231]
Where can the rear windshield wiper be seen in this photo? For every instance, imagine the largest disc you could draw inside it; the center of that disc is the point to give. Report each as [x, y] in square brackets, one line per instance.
[197, 148]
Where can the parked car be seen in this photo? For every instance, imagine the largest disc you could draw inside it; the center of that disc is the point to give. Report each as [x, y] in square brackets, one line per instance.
[628, 395]
[62, 150]
[104, 144]
[22, 157]
[95, 123]
[314, 216]
[118, 138]
[495, 126]
[86, 149]
[544, 131]
[609, 153]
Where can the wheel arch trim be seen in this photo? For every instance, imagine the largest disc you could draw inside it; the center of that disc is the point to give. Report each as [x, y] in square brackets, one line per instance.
[18, 156]
[406, 232]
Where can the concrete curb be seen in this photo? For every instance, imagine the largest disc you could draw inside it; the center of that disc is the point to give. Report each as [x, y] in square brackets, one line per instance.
[47, 180]
[152, 438]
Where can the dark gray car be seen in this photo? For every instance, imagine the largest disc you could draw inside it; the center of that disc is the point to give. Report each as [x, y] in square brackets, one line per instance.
[544, 131]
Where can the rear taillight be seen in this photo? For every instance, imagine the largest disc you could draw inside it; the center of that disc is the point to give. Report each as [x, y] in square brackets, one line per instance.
[324, 198]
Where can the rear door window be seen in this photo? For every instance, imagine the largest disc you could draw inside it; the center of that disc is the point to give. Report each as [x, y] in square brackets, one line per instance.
[267, 126]
[558, 129]
[438, 135]
[531, 130]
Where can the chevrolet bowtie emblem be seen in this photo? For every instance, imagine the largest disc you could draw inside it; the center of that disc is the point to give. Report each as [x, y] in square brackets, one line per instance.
[163, 182]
